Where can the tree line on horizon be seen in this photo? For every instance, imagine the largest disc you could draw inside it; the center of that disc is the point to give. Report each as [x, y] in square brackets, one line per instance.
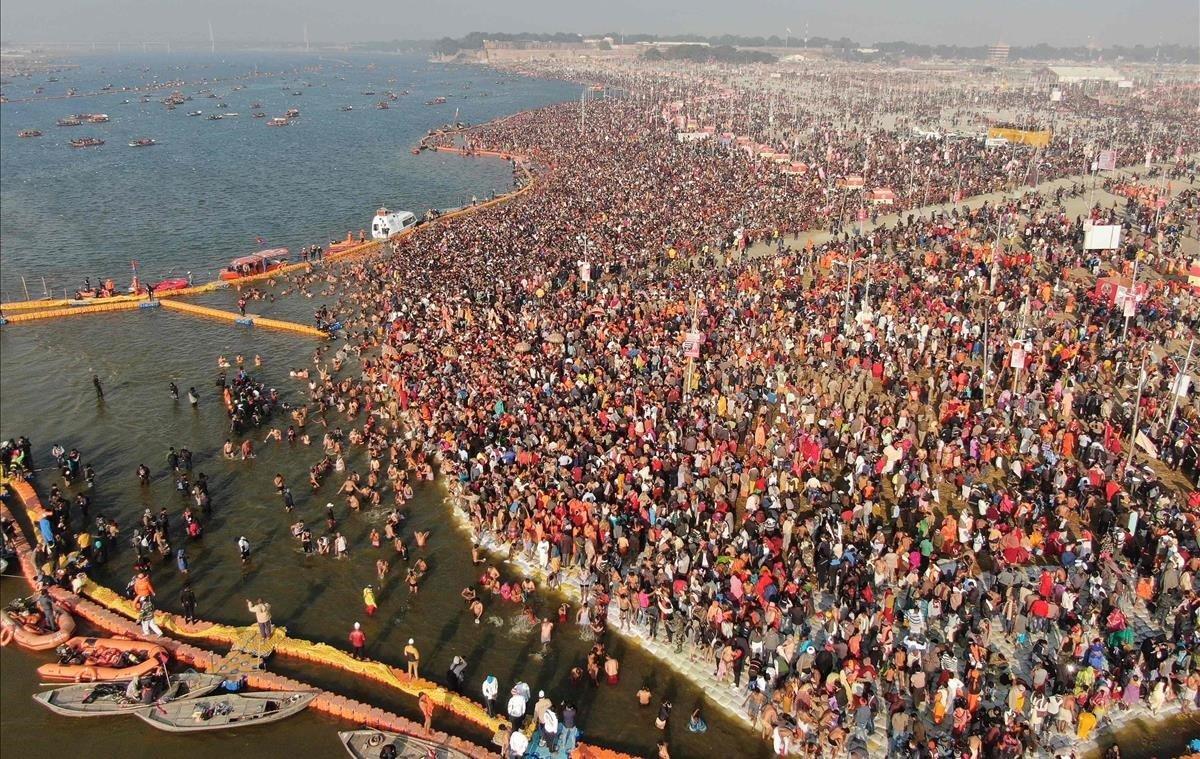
[1173, 53]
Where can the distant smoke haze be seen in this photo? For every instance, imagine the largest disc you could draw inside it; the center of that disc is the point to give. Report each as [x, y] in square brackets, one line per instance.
[962, 22]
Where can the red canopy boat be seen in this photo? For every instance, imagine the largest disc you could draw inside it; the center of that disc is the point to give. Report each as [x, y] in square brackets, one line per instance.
[256, 263]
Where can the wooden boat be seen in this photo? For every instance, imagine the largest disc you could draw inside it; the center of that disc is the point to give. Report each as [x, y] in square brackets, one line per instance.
[256, 263]
[96, 659]
[18, 623]
[102, 699]
[369, 744]
[221, 712]
[29, 133]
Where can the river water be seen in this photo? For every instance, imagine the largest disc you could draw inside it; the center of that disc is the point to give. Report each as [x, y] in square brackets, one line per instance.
[191, 203]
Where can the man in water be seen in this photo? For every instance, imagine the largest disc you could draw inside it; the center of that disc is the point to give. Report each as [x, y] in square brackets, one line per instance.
[262, 615]
[99, 389]
[244, 549]
[547, 629]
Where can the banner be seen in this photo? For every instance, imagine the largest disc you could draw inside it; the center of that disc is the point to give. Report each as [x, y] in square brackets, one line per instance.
[1102, 237]
[1107, 160]
[691, 344]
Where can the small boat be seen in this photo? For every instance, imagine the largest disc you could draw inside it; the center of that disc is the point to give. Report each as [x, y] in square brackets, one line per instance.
[94, 659]
[369, 744]
[86, 142]
[297, 92]
[144, 142]
[387, 223]
[436, 101]
[256, 105]
[258, 115]
[277, 121]
[195, 113]
[222, 105]
[347, 108]
[29, 133]
[369, 92]
[231, 114]
[292, 113]
[96, 118]
[382, 105]
[102, 699]
[221, 712]
[173, 283]
[256, 263]
[68, 121]
[215, 117]
[23, 623]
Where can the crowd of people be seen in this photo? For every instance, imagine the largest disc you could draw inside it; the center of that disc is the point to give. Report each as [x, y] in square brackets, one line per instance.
[842, 517]
[880, 484]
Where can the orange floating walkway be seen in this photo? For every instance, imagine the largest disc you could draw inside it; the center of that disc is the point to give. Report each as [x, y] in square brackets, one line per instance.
[55, 313]
[247, 321]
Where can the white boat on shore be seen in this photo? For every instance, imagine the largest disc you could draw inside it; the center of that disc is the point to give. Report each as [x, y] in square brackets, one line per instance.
[387, 223]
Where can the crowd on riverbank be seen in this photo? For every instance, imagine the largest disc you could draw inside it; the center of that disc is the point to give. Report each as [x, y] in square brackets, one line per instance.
[840, 515]
[838, 474]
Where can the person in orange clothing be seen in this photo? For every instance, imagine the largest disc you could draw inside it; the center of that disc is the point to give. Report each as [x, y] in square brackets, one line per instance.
[142, 588]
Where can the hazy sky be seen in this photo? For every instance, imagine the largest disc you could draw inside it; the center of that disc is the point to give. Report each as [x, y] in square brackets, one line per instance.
[929, 21]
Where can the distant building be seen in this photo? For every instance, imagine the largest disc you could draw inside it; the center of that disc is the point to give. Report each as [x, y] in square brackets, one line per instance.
[1081, 74]
[998, 53]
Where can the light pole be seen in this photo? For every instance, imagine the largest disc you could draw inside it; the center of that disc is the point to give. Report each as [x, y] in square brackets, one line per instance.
[1130, 304]
[1177, 387]
[1137, 407]
[865, 303]
[849, 278]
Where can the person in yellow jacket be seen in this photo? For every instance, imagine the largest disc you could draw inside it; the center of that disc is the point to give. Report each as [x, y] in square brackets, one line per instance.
[369, 600]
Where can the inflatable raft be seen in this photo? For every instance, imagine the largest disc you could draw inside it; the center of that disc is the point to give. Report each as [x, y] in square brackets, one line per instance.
[18, 625]
[102, 659]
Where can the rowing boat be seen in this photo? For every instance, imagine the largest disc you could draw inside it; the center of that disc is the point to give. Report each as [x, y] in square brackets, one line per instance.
[372, 744]
[102, 699]
[221, 712]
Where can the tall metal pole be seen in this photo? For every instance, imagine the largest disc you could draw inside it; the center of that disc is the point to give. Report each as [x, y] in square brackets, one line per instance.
[987, 321]
[1132, 294]
[1177, 387]
[1137, 408]
[691, 366]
